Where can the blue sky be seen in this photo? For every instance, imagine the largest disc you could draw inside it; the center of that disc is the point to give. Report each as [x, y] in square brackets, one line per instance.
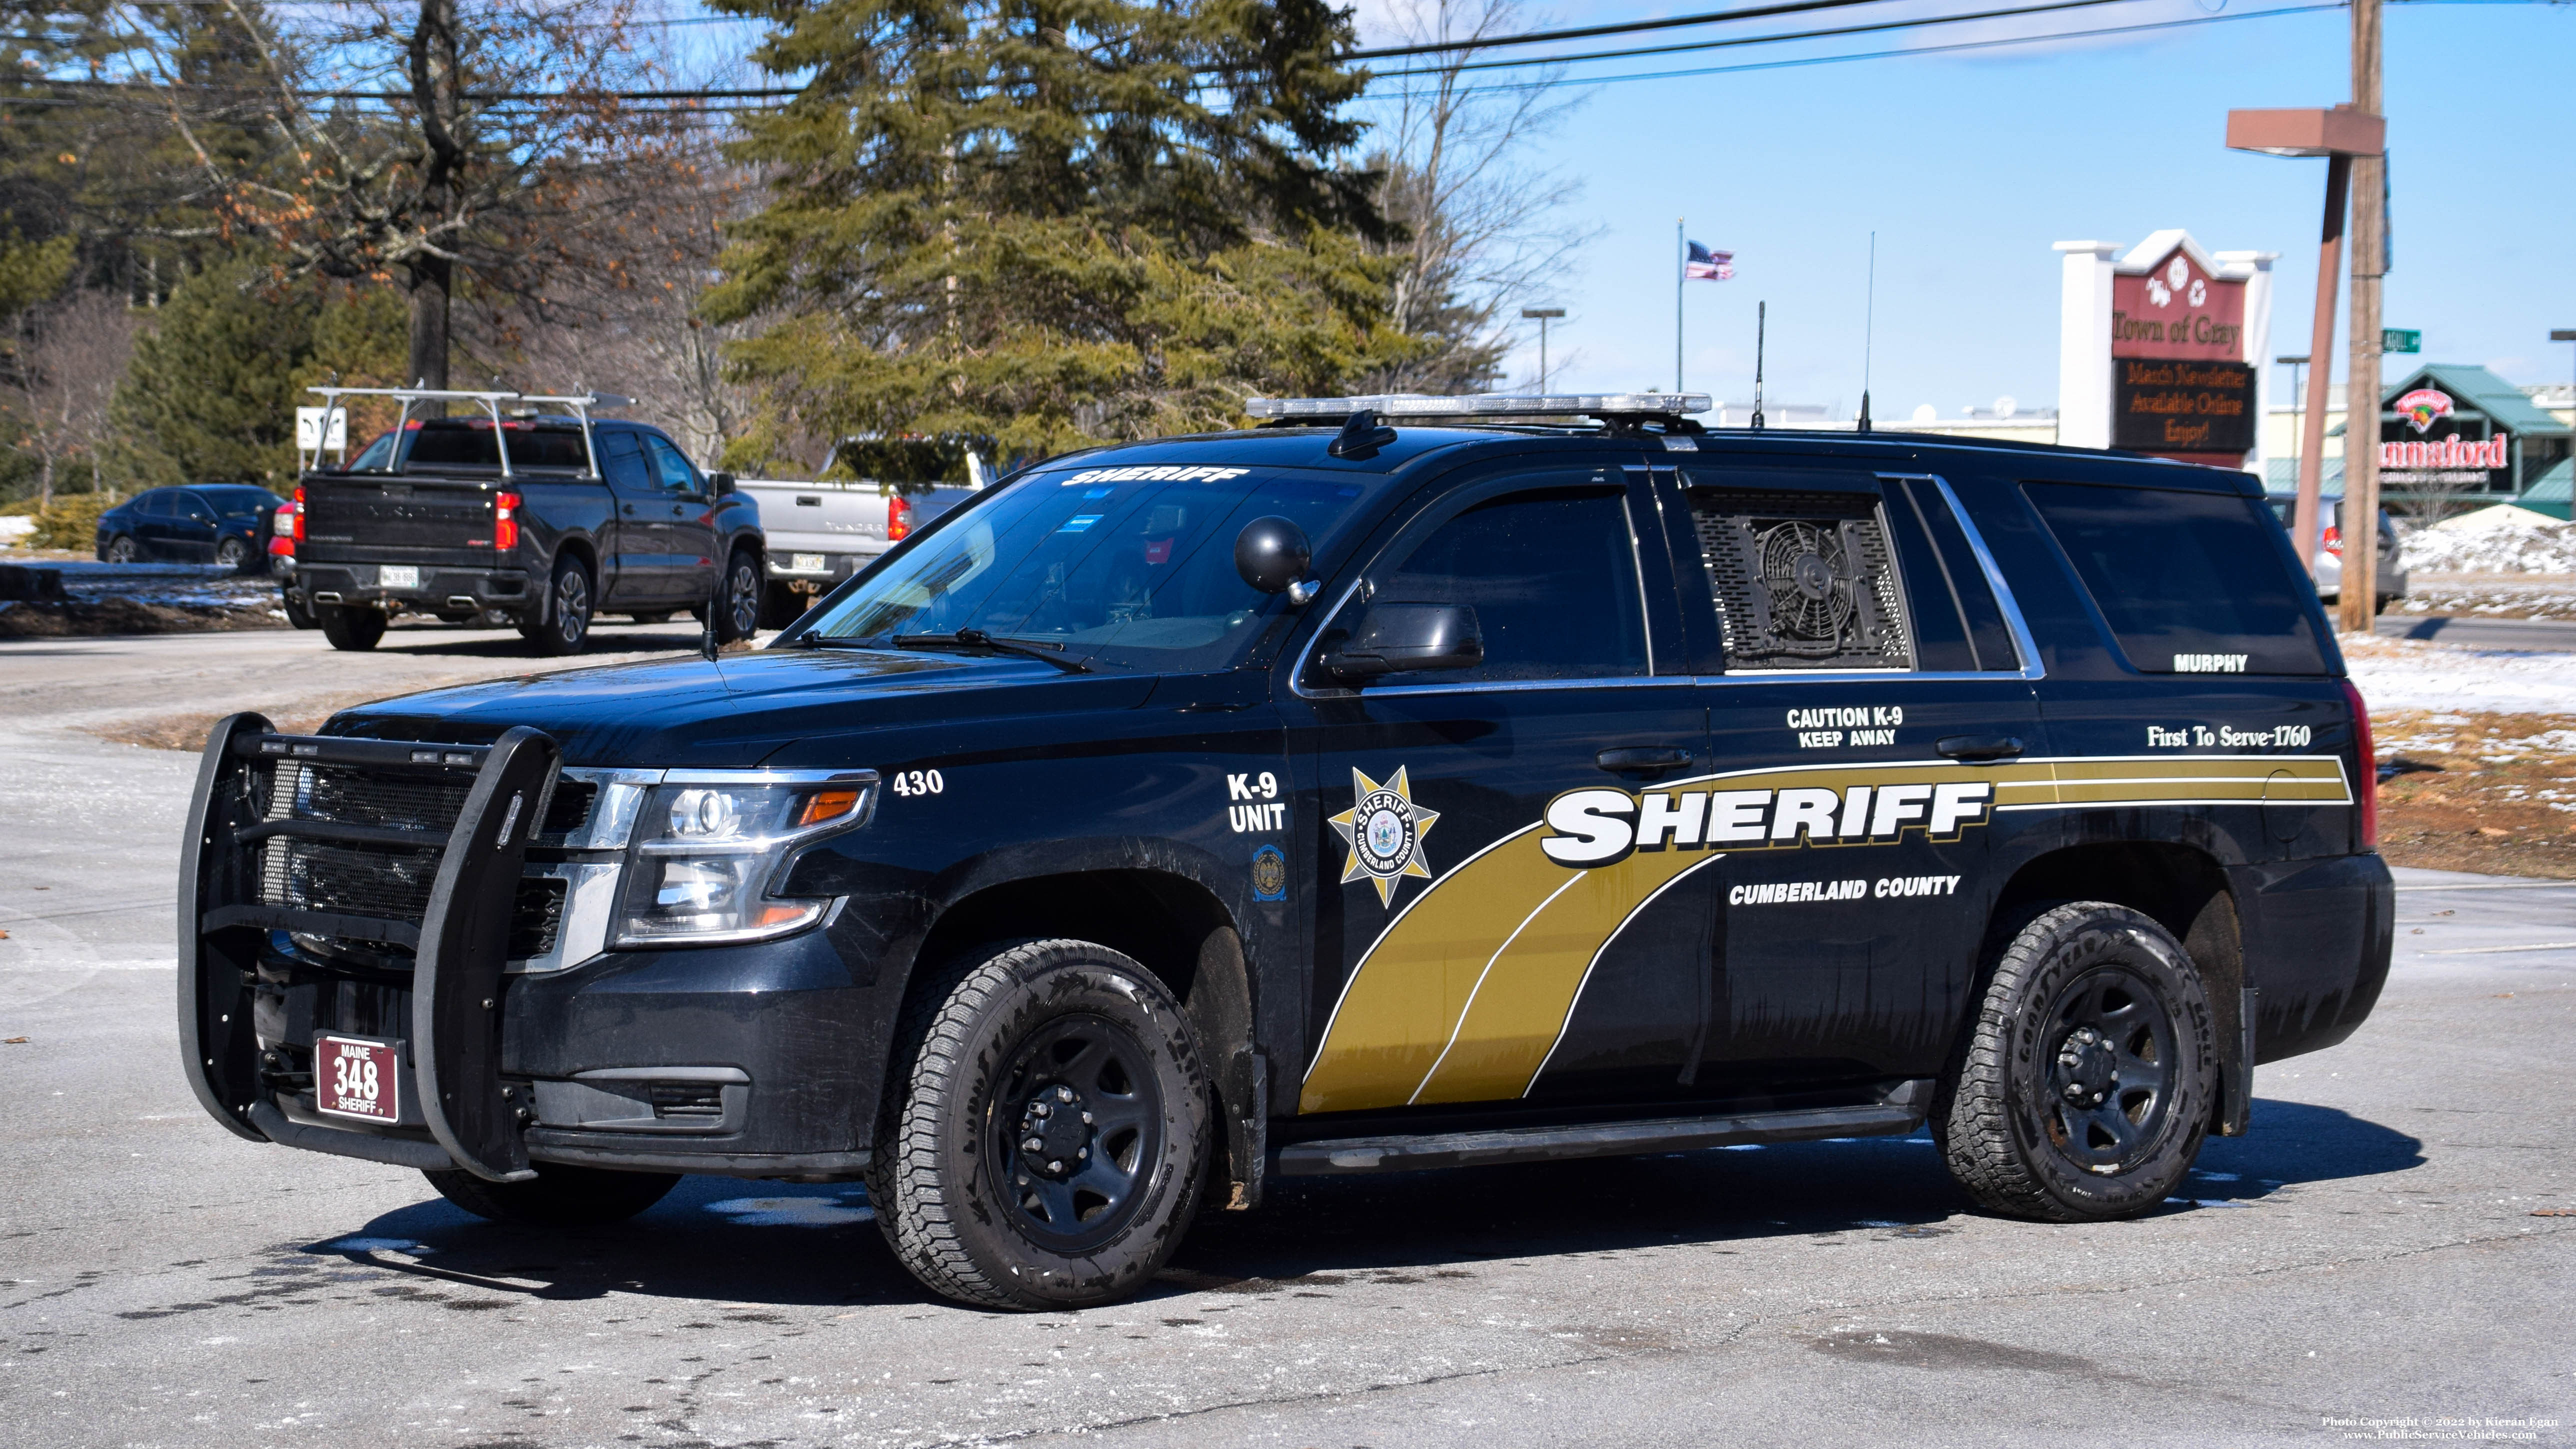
[1969, 165]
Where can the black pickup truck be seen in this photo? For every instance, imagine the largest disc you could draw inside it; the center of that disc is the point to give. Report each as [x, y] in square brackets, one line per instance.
[585, 516]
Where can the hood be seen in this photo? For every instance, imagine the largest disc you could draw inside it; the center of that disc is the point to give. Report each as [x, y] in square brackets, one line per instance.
[736, 712]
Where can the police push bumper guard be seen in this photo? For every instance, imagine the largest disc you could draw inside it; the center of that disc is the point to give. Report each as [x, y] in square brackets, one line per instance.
[460, 944]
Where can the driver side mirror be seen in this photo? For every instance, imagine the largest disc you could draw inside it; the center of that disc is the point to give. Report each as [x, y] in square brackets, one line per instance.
[1395, 638]
[719, 484]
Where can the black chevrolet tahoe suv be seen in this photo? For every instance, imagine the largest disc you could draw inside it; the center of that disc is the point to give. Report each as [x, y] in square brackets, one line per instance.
[532, 519]
[1351, 794]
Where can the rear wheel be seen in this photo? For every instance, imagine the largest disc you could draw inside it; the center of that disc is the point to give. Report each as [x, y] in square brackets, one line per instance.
[739, 617]
[566, 623]
[2087, 1083]
[296, 614]
[1046, 1144]
[348, 628]
[559, 1196]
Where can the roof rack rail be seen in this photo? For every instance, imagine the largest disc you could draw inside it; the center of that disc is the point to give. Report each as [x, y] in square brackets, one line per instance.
[1420, 407]
[490, 402]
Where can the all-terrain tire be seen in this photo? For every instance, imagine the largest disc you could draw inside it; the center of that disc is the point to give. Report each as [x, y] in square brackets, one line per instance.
[2086, 1083]
[560, 1196]
[1094, 1209]
[349, 628]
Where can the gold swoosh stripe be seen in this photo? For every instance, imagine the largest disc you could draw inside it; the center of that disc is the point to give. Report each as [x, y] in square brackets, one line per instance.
[1468, 991]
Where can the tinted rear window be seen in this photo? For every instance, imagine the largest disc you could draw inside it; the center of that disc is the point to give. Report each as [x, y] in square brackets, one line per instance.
[2190, 583]
[470, 445]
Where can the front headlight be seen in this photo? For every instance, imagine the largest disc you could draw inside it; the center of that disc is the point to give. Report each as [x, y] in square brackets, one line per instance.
[711, 846]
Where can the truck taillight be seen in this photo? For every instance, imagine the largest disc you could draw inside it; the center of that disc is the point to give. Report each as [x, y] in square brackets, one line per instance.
[299, 514]
[2369, 749]
[898, 519]
[505, 521]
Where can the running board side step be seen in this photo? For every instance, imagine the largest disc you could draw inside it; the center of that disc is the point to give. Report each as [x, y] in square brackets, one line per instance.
[1899, 1112]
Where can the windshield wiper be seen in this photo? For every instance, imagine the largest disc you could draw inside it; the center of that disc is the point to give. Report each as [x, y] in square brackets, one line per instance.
[980, 639]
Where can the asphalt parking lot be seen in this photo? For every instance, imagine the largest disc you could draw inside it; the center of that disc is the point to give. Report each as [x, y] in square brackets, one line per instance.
[2389, 1245]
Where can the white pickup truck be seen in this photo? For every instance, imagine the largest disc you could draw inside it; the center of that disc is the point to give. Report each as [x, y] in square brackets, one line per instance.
[824, 532]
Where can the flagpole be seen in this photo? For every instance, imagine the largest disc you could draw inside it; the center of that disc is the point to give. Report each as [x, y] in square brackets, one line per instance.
[1681, 255]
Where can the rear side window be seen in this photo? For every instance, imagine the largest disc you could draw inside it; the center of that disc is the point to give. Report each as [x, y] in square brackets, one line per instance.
[1803, 578]
[2190, 583]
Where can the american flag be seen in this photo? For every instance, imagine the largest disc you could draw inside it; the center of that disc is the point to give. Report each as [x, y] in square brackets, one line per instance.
[1708, 266]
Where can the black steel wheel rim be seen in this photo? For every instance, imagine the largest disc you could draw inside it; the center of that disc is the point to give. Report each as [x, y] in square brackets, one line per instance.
[2108, 1081]
[1074, 1132]
[742, 597]
[572, 605]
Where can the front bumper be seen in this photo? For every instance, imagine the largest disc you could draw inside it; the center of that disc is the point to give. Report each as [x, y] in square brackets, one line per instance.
[753, 1060]
[734, 1061]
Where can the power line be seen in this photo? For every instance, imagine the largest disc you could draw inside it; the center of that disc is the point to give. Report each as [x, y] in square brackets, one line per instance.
[1769, 39]
[1951, 48]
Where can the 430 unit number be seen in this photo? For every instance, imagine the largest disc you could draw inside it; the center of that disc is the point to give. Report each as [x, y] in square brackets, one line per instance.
[918, 782]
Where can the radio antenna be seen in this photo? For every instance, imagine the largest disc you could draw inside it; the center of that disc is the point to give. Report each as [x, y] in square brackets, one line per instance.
[1761, 326]
[1868, 330]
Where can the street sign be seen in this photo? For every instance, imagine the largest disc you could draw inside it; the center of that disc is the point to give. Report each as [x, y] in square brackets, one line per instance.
[2400, 339]
[309, 435]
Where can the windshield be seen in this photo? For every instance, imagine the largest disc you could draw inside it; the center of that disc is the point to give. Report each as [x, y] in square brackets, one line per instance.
[1113, 569]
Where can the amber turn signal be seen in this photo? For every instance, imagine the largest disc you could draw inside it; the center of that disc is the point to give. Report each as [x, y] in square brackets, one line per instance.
[825, 805]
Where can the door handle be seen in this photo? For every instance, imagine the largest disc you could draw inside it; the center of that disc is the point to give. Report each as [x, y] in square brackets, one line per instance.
[630, 510]
[1979, 749]
[1642, 759]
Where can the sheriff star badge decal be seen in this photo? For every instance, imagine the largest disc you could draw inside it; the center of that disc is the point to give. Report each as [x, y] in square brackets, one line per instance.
[1384, 830]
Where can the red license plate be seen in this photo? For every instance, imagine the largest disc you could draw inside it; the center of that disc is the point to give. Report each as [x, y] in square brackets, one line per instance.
[355, 1078]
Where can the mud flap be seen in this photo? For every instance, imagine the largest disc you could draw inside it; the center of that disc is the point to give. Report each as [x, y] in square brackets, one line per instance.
[217, 1045]
[464, 946]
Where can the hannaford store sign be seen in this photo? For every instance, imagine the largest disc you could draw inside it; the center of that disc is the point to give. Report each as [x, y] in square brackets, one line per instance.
[2430, 438]
[2159, 349]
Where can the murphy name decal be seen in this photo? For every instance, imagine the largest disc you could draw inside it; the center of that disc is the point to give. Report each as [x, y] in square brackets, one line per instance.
[1467, 991]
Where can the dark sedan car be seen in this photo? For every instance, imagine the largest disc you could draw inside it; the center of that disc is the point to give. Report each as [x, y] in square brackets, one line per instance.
[225, 523]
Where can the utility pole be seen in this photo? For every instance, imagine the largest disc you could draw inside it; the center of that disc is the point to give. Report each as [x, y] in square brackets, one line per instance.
[1681, 262]
[2360, 587]
[1543, 314]
[2298, 398]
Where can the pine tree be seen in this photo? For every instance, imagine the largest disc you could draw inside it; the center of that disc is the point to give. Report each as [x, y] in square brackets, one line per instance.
[1052, 223]
[211, 394]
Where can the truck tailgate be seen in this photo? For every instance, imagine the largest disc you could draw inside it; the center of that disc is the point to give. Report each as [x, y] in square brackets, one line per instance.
[397, 518]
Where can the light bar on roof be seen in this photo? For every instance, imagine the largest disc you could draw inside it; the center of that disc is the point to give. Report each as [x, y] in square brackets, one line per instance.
[1391, 406]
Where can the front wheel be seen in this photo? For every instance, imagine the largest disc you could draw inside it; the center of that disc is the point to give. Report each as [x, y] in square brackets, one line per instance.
[232, 553]
[559, 1196]
[2087, 1083]
[120, 549]
[348, 628]
[1046, 1144]
[565, 625]
[739, 617]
